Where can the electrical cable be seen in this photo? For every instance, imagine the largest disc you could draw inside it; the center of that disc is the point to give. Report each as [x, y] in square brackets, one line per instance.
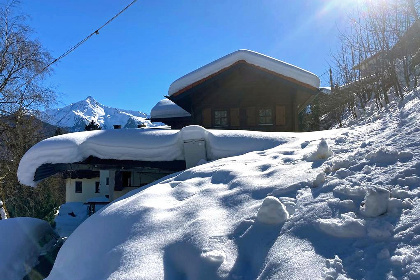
[96, 32]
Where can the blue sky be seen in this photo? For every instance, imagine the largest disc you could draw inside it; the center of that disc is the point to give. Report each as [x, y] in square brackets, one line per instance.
[133, 60]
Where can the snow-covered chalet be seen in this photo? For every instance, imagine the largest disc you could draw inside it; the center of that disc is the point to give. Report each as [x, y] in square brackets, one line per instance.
[243, 90]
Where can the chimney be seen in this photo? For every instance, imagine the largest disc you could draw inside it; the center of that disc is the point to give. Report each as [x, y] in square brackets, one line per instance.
[117, 126]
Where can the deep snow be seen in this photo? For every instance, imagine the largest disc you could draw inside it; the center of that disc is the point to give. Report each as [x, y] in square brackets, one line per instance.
[141, 144]
[347, 203]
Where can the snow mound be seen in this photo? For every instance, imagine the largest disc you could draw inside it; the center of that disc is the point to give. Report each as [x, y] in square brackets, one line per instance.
[319, 180]
[347, 226]
[20, 245]
[272, 211]
[375, 203]
[334, 269]
[70, 216]
[322, 152]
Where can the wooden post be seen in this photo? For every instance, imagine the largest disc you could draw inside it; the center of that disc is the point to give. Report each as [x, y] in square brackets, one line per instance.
[111, 184]
[295, 114]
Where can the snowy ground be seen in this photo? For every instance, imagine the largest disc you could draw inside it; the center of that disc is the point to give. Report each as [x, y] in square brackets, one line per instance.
[346, 207]
[69, 217]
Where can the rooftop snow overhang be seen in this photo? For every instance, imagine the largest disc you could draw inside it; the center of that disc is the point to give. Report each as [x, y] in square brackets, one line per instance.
[139, 145]
[284, 70]
[165, 109]
[136, 149]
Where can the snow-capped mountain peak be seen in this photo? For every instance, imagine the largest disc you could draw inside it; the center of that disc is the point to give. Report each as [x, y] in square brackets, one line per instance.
[76, 115]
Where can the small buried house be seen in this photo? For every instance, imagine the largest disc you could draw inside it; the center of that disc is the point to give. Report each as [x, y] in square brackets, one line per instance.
[242, 90]
[113, 162]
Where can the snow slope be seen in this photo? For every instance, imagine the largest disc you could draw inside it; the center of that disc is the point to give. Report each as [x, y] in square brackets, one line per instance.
[76, 115]
[338, 204]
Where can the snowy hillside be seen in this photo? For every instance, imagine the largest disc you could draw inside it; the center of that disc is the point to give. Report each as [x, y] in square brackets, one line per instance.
[76, 115]
[338, 204]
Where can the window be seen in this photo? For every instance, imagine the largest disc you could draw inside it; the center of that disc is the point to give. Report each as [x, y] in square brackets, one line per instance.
[126, 179]
[96, 187]
[265, 116]
[107, 181]
[78, 186]
[220, 118]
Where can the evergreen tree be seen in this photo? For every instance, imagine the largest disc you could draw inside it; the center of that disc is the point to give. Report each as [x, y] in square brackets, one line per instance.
[92, 126]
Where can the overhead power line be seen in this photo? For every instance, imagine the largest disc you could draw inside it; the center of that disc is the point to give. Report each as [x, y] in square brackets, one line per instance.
[96, 32]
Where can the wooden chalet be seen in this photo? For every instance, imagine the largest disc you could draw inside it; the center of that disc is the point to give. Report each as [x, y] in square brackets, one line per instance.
[244, 90]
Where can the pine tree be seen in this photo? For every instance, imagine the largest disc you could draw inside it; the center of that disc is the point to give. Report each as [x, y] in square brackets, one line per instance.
[92, 126]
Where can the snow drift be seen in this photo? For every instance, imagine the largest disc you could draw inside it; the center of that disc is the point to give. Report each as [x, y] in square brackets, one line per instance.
[360, 220]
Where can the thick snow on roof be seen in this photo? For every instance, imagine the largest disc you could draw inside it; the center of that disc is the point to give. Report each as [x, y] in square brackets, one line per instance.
[352, 202]
[167, 109]
[139, 144]
[251, 57]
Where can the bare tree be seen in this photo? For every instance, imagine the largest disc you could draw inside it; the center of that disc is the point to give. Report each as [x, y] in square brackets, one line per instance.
[23, 64]
[377, 53]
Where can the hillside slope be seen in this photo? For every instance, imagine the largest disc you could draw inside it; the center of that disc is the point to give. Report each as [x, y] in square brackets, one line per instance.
[338, 204]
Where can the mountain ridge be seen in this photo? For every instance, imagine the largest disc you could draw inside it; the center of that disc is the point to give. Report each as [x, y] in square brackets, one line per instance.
[76, 115]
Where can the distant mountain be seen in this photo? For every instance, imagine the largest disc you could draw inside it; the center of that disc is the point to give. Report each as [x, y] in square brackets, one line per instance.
[75, 116]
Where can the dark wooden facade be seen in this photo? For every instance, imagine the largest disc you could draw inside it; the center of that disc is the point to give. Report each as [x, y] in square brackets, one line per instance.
[244, 96]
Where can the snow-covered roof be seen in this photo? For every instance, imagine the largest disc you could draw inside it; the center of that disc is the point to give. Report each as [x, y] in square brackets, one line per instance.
[167, 109]
[140, 145]
[326, 90]
[251, 57]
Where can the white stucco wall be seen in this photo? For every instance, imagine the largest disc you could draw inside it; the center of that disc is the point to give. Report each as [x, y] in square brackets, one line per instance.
[88, 190]
[88, 186]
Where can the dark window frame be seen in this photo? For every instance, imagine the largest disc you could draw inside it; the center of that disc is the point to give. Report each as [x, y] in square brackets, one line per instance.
[97, 187]
[217, 119]
[264, 118]
[78, 187]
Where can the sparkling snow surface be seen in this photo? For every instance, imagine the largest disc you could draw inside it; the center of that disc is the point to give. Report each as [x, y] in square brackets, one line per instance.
[203, 223]
[167, 109]
[19, 247]
[251, 57]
